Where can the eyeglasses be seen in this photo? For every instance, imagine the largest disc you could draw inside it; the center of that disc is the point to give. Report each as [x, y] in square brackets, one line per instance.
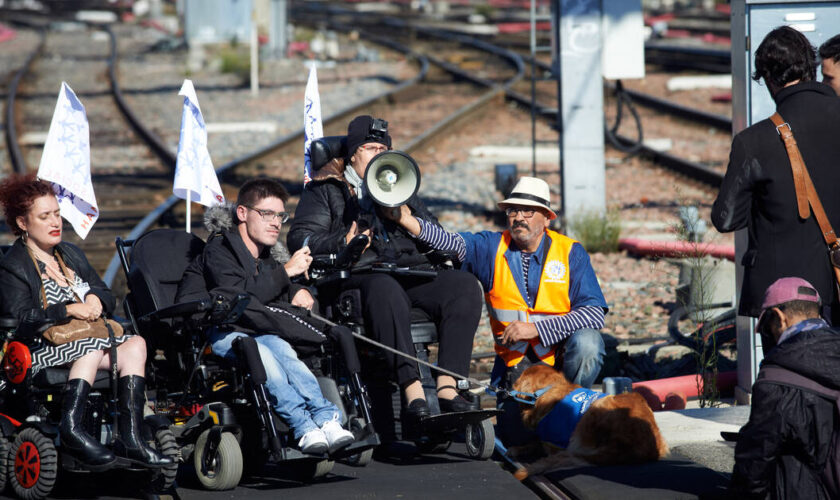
[270, 215]
[526, 212]
[374, 148]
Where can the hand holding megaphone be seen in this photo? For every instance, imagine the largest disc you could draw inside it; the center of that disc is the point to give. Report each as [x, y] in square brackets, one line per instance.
[402, 216]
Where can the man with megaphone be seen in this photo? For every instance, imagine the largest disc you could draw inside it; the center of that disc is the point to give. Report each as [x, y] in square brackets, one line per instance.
[345, 199]
[541, 292]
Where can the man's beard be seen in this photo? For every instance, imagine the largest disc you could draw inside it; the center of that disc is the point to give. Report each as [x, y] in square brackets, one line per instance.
[520, 238]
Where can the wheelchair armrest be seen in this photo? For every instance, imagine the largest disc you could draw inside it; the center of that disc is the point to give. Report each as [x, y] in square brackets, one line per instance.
[9, 323]
[182, 310]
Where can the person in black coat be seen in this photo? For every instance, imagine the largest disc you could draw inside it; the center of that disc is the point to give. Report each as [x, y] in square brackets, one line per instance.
[758, 191]
[239, 261]
[332, 210]
[45, 280]
[784, 446]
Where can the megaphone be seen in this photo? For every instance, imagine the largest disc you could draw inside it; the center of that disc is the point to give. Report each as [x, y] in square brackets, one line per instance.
[392, 177]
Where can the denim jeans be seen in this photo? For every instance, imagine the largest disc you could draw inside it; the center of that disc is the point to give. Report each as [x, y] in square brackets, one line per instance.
[582, 363]
[297, 395]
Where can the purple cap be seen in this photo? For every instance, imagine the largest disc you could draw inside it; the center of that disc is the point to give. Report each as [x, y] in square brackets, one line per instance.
[786, 290]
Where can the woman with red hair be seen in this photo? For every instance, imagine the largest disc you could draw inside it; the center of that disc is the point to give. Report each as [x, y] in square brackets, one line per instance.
[43, 279]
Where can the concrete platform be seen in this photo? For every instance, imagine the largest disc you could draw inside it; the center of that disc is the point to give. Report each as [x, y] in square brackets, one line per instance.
[695, 434]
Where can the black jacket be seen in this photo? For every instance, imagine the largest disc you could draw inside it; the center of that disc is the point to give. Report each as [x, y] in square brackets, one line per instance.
[226, 267]
[327, 209]
[20, 287]
[758, 193]
[783, 448]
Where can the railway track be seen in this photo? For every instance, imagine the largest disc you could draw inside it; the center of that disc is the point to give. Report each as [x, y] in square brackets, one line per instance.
[283, 151]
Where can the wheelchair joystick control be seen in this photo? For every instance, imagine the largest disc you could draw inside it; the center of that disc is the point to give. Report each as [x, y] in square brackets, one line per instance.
[351, 253]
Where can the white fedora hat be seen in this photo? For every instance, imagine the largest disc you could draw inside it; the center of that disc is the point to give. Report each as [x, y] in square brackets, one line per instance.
[530, 191]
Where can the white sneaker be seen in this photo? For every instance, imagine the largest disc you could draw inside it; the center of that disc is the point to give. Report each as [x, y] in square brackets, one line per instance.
[337, 436]
[314, 442]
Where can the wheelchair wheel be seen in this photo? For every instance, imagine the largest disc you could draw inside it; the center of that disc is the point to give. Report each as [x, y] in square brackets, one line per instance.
[163, 479]
[309, 470]
[226, 469]
[363, 458]
[480, 439]
[4, 450]
[32, 465]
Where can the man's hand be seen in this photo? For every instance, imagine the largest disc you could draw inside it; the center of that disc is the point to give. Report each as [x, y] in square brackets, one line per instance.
[299, 263]
[303, 299]
[519, 330]
[402, 216]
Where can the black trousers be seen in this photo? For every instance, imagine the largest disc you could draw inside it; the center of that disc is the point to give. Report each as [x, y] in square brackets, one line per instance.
[452, 300]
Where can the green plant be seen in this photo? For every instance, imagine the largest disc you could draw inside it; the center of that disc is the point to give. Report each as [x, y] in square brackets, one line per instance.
[485, 10]
[235, 61]
[597, 231]
[697, 278]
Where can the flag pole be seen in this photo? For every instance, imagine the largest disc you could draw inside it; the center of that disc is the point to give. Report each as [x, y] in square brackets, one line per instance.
[189, 205]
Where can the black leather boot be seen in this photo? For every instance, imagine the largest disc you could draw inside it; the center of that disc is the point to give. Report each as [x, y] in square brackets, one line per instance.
[130, 443]
[75, 441]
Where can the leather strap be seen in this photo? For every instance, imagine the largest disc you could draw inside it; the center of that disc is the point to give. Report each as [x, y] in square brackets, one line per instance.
[796, 164]
[805, 190]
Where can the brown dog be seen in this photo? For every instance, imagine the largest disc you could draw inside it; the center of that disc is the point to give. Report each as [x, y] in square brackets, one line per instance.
[614, 430]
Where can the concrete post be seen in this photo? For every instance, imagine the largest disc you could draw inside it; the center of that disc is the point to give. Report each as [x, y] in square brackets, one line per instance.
[577, 60]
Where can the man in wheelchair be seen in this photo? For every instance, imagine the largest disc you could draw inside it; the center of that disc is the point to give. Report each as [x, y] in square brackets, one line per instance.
[334, 208]
[238, 261]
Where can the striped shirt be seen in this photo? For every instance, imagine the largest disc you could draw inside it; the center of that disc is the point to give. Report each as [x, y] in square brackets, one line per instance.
[552, 330]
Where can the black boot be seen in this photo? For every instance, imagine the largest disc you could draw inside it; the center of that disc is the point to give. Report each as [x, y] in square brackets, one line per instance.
[75, 441]
[130, 443]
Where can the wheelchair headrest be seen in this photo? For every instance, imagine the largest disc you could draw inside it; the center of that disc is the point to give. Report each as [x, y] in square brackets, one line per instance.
[158, 261]
[323, 150]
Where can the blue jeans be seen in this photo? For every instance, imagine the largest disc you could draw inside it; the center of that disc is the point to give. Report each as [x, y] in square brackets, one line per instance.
[298, 398]
[582, 363]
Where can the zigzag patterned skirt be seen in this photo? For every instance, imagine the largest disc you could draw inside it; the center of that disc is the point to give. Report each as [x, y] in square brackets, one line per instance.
[48, 355]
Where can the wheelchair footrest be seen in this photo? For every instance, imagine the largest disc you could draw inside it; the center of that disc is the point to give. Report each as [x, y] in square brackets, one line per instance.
[451, 422]
[294, 454]
[358, 446]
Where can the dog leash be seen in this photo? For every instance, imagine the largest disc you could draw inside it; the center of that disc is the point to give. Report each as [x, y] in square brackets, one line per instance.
[519, 396]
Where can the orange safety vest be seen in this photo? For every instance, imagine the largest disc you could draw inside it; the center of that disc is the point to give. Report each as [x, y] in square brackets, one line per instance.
[505, 303]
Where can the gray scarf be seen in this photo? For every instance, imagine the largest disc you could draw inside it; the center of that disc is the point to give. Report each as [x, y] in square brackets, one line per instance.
[355, 181]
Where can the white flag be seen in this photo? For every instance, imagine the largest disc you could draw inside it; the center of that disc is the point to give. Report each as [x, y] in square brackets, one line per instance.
[194, 173]
[312, 126]
[66, 162]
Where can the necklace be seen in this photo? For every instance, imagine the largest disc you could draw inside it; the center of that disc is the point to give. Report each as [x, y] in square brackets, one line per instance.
[51, 266]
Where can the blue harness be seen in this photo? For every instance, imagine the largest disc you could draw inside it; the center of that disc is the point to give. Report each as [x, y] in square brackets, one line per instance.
[557, 427]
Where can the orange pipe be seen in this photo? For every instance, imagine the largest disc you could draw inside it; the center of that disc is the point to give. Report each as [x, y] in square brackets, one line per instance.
[652, 248]
[661, 391]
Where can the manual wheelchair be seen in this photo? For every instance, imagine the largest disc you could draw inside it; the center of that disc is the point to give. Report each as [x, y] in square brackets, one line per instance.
[219, 409]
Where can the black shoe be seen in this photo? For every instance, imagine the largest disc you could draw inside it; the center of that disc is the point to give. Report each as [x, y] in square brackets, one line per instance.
[130, 443]
[455, 405]
[75, 441]
[417, 409]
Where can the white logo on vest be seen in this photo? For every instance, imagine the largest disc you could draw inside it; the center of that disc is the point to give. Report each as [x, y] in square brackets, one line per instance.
[555, 272]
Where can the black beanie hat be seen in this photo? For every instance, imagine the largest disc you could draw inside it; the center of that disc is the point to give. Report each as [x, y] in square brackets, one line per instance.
[360, 132]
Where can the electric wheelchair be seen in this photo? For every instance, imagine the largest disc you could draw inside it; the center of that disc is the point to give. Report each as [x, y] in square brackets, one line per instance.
[435, 433]
[219, 409]
[30, 447]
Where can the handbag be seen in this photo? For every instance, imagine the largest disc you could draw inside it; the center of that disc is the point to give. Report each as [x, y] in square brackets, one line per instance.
[806, 194]
[77, 329]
